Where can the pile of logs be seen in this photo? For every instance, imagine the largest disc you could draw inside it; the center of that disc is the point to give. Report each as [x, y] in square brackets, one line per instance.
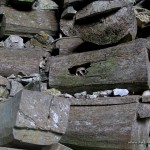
[51, 50]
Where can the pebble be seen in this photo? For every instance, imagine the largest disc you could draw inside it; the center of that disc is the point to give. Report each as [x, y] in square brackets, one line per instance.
[14, 41]
[91, 96]
[81, 95]
[146, 93]
[66, 95]
[120, 92]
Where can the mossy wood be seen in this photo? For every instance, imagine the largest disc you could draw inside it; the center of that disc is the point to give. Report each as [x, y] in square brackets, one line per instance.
[123, 66]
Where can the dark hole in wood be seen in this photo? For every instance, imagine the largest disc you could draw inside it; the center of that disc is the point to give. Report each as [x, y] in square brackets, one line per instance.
[55, 52]
[72, 70]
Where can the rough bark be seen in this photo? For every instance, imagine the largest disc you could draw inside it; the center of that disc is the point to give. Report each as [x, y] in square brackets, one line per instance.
[29, 23]
[122, 66]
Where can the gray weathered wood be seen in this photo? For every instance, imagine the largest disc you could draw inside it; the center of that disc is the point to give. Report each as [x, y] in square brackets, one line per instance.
[146, 99]
[67, 45]
[112, 126]
[114, 28]
[13, 61]
[144, 110]
[28, 23]
[66, 26]
[122, 66]
[99, 8]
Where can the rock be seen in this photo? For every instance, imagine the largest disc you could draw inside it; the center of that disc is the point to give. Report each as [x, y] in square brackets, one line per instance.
[44, 4]
[30, 79]
[106, 69]
[44, 38]
[29, 23]
[142, 16]
[4, 82]
[66, 27]
[66, 95]
[146, 93]
[41, 40]
[68, 13]
[103, 93]
[14, 61]
[2, 44]
[31, 114]
[67, 45]
[14, 41]
[91, 96]
[43, 87]
[15, 88]
[104, 31]
[100, 8]
[81, 95]
[53, 91]
[120, 92]
[33, 86]
[57, 146]
[4, 93]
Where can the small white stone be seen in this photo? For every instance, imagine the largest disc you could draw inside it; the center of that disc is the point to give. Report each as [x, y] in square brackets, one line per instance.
[146, 93]
[120, 92]
[66, 95]
[80, 95]
[91, 96]
[14, 41]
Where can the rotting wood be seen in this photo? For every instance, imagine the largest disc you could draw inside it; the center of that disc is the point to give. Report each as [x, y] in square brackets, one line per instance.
[122, 66]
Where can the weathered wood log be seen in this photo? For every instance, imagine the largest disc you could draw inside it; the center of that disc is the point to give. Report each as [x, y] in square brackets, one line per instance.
[144, 110]
[66, 26]
[99, 8]
[122, 66]
[105, 124]
[103, 31]
[68, 13]
[29, 23]
[22, 60]
[33, 118]
[67, 45]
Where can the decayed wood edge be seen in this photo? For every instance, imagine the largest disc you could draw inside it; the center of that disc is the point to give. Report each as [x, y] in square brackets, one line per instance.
[105, 101]
[143, 110]
[145, 99]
